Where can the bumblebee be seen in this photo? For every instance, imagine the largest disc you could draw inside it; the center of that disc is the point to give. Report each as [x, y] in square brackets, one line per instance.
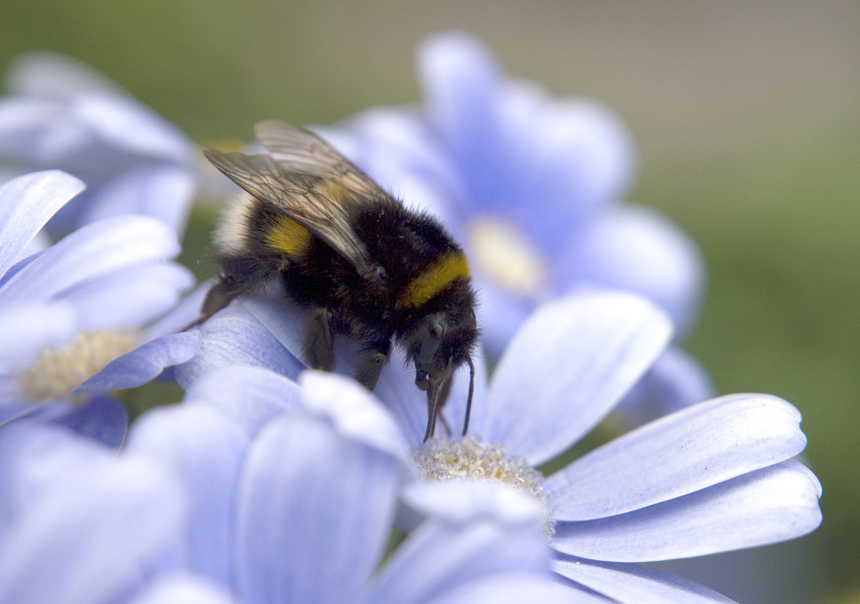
[354, 258]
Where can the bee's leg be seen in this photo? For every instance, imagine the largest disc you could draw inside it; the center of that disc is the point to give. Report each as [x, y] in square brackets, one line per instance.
[371, 359]
[238, 277]
[318, 348]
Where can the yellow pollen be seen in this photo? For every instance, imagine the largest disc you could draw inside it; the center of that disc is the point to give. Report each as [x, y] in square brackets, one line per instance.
[58, 371]
[439, 275]
[287, 236]
[507, 258]
[470, 459]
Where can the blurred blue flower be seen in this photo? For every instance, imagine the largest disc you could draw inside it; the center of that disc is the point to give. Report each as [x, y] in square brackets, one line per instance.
[292, 490]
[77, 523]
[68, 310]
[532, 185]
[714, 477]
[62, 114]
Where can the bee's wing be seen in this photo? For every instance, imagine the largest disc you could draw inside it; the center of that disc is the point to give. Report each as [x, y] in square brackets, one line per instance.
[303, 151]
[317, 203]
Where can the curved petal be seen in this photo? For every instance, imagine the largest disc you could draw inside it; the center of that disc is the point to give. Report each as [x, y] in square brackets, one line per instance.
[635, 584]
[88, 539]
[26, 204]
[637, 249]
[144, 364]
[205, 450]
[251, 396]
[495, 531]
[91, 251]
[566, 369]
[102, 419]
[313, 513]
[685, 452]
[773, 504]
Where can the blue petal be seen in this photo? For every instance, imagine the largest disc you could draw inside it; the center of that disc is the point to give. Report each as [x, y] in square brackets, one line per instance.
[635, 584]
[54, 75]
[516, 588]
[205, 450]
[770, 505]
[313, 513]
[102, 419]
[26, 204]
[144, 364]
[26, 329]
[568, 367]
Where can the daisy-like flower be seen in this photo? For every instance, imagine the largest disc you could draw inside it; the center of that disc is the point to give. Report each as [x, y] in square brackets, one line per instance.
[531, 185]
[61, 114]
[714, 477]
[292, 489]
[67, 311]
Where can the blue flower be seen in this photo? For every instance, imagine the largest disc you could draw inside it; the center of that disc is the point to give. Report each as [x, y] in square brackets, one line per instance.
[62, 114]
[292, 489]
[68, 310]
[713, 477]
[532, 185]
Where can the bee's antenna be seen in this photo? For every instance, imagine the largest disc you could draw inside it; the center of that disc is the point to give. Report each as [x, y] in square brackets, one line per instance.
[471, 390]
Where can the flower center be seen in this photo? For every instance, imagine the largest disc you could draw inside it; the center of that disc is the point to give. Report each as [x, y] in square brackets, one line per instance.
[507, 258]
[58, 371]
[472, 460]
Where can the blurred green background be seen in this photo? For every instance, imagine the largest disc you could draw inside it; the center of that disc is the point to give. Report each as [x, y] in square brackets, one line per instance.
[746, 116]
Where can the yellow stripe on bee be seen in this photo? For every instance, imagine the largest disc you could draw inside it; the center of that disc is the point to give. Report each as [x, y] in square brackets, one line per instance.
[333, 190]
[287, 236]
[440, 274]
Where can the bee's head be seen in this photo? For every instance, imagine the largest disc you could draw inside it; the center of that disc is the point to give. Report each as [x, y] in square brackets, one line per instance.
[439, 344]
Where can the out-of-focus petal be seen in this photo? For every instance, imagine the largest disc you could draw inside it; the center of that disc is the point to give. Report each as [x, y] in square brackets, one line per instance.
[88, 539]
[635, 248]
[26, 204]
[54, 75]
[250, 396]
[681, 453]
[773, 504]
[313, 510]
[517, 588]
[205, 450]
[566, 369]
[25, 330]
